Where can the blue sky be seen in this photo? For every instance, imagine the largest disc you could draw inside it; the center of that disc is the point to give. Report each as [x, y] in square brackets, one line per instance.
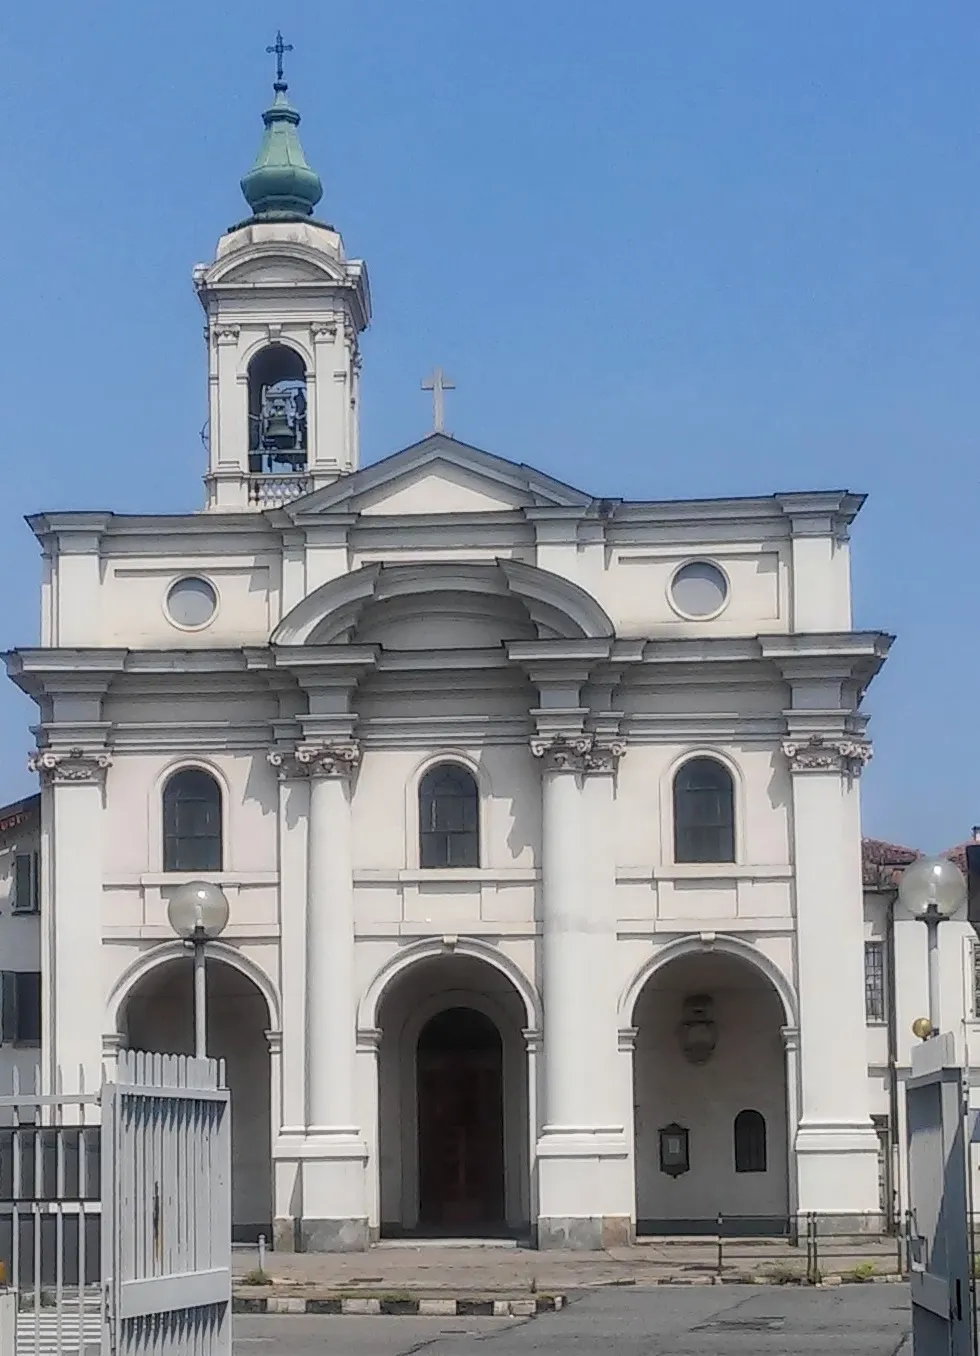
[665, 249]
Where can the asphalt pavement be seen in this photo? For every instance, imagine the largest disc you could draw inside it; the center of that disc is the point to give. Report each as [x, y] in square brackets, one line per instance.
[731, 1320]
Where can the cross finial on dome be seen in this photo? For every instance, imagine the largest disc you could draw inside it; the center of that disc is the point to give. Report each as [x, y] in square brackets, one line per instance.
[280, 48]
[281, 185]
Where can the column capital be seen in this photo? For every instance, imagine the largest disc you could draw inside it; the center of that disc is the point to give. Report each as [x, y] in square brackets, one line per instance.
[65, 767]
[581, 753]
[340, 759]
[561, 753]
[820, 753]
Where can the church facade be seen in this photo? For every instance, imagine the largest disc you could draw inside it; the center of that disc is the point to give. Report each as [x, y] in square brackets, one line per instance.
[537, 813]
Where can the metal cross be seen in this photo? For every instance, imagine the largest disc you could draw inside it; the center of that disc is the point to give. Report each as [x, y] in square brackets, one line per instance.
[438, 384]
[280, 49]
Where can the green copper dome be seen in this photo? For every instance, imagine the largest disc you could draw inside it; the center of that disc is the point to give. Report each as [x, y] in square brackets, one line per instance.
[281, 184]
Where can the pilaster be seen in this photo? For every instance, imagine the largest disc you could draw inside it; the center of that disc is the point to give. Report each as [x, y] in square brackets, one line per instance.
[332, 1150]
[72, 998]
[836, 1146]
[584, 1184]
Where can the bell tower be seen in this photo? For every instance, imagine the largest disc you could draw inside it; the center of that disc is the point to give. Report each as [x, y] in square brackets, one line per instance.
[285, 308]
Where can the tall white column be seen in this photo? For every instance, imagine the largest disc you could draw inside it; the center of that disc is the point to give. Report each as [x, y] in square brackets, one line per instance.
[289, 1125]
[334, 1183]
[583, 1158]
[72, 993]
[836, 1145]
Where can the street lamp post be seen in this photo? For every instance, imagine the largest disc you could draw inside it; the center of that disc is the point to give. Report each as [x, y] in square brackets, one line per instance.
[932, 889]
[198, 912]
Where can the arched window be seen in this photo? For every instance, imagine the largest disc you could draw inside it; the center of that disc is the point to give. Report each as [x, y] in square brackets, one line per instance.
[704, 812]
[750, 1142]
[449, 817]
[192, 822]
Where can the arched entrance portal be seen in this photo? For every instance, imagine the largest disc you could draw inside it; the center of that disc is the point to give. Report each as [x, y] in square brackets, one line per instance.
[453, 1102]
[159, 1016]
[710, 1098]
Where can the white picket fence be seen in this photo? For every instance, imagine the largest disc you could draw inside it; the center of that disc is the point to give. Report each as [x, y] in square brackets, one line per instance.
[116, 1236]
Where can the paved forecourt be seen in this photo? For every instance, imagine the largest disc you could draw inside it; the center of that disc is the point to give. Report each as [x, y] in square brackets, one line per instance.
[751, 1320]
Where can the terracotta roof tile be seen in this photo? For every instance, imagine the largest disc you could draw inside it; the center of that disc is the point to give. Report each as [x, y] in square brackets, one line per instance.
[882, 862]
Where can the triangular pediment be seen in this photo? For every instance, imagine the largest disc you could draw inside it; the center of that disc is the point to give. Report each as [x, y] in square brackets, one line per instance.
[437, 476]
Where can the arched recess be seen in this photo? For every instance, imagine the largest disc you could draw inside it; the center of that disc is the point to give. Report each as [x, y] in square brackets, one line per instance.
[429, 947]
[709, 1023]
[156, 1013]
[695, 944]
[555, 607]
[176, 950]
[454, 1114]
[276, 388]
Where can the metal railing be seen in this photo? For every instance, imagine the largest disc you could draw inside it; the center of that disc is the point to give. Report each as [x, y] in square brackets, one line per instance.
[809, 1250]
[50, 1218]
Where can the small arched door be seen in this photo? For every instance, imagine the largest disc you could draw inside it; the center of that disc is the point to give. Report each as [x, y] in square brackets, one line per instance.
[460, 1120]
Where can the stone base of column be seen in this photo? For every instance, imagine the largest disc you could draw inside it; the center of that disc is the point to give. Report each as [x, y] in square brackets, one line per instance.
[585, 1188]
[334, 1235]
[334, 1216]
[579, 1233]
[837, 1169]
[285, 1232]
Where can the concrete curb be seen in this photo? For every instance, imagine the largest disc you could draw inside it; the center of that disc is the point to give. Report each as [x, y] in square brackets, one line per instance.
[399, 1306]
[456, 1306]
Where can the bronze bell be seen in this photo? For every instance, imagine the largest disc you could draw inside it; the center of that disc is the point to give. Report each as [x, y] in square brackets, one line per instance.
[277, 420]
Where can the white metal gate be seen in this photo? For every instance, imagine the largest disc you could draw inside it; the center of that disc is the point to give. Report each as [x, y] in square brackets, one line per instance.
[166, 1207]
[939, 1244]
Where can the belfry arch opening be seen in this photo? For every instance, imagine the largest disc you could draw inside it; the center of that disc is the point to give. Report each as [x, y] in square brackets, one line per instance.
[453, 1103]
[710, 1098]
[158, 1016]
[277, 411]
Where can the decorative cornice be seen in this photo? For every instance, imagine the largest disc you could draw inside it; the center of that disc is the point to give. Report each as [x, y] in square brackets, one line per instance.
[67, 766]
[316, 760]
[581, 754]
[822, 754]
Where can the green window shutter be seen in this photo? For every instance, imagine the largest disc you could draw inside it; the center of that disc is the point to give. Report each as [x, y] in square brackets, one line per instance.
[23, 886]
[8, 1006]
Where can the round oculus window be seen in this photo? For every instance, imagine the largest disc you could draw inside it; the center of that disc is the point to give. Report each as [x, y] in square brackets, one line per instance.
[191, 602]
[699, 589]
